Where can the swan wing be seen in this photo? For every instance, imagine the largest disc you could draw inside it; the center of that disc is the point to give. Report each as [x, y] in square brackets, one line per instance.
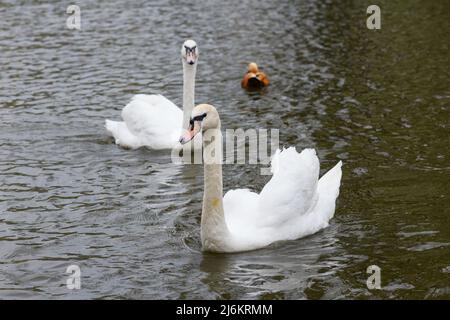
[293, 204]
[154, 119]
[240, 207]
[319, 215]
[292, 190]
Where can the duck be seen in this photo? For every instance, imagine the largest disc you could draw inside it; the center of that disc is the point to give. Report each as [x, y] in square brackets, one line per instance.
[254, 78]
[154, 121]
[294, 203]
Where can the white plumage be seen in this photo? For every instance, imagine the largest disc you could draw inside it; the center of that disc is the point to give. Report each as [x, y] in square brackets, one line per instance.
[149, 120]
[293, 204]
[153, 120]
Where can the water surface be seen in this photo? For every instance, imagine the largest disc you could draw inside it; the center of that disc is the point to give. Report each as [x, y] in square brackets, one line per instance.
[377, 100]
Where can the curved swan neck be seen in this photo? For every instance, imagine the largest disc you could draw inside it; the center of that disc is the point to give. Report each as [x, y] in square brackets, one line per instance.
[188, 92]
[214, 230]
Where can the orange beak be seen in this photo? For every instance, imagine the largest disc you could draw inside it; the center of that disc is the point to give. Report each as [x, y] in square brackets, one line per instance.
[192, 131]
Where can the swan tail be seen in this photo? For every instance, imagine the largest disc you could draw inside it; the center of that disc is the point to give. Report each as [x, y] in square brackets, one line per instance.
[121, 134]
[111, 127]
[328, 190]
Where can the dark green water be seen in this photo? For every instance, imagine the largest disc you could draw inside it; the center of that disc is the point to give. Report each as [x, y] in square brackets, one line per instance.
[377, 100]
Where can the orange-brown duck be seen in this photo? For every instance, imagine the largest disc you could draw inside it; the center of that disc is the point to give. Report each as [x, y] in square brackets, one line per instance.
[254, 79]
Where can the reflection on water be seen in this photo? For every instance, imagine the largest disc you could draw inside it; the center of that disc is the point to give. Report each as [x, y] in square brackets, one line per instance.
[378, 100]
[275, 272]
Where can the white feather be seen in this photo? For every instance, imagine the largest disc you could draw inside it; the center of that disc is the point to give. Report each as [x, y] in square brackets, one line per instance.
[149, 120]
[293, 204]
[153, 120]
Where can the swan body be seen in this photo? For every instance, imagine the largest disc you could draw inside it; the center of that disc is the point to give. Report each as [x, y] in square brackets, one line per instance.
[293, 204]
[149, 120]
[254, 78]
[153, 120]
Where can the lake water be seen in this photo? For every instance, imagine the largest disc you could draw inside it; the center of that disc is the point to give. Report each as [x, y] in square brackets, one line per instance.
[377, 100]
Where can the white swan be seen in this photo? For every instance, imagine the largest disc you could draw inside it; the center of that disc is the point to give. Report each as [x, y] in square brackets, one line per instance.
[153, 120]
[293, 204]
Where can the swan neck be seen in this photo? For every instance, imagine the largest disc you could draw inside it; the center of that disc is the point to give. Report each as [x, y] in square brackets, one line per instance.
[188, 92]
[213, 187]
[214, 231]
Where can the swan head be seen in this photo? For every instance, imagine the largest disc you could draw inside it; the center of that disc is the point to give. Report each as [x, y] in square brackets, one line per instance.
[203, 117]
[189, 52]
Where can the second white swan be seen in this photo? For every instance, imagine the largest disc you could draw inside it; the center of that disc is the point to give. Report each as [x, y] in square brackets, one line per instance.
[153, 120]
[293, 204]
